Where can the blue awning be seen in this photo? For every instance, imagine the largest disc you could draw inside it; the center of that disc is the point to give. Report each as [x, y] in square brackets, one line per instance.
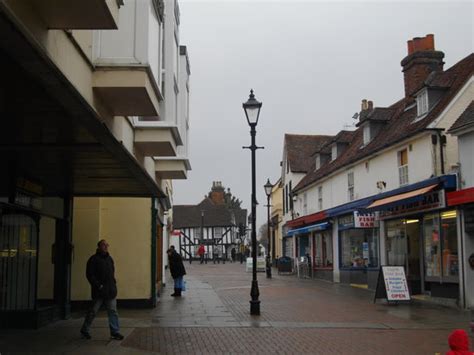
[308, 229]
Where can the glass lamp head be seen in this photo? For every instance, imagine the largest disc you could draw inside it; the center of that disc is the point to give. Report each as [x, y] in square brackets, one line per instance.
[252, 109]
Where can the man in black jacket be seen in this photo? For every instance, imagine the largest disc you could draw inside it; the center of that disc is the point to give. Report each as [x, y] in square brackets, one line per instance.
[177, 270]
[100, 274]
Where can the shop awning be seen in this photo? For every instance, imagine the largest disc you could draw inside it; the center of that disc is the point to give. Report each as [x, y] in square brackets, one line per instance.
[308, 229]
[404, 196]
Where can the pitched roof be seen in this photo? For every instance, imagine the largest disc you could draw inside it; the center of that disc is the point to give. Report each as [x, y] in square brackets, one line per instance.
[188, 216]
[300, 147]
[400, 126]
[466, 119]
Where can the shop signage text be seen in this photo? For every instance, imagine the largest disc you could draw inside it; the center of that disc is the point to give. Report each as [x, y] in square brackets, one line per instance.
[365, 220]
[431, 201]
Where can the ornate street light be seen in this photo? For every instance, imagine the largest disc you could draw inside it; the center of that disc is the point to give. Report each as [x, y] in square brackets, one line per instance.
[268, 265]
[252, 112]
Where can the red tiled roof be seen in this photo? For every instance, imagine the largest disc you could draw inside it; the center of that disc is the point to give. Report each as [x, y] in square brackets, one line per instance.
[400, 126]
[300, 147]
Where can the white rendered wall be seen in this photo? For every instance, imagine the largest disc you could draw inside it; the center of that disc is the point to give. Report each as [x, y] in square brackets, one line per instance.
[466, 158]
[136, 41]
[447, 118]
[383, 167]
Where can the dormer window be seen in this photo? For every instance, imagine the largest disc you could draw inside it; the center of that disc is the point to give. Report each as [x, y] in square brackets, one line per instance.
[422, 103]
[334, 152]
[366, 131]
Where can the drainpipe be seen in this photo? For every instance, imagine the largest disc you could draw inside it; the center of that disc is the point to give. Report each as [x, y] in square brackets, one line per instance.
[442, 143]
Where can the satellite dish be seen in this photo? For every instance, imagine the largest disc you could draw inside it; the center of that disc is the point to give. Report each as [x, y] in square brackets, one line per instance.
[355, 116]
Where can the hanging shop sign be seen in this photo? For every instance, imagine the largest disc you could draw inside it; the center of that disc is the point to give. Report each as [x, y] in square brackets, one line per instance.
[366, 220]
[28, 194]
[430, 201]
[346, 221]
[392, 284]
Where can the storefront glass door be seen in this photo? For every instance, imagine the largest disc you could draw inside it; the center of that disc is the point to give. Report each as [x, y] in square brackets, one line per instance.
[403, 249]
[18, 262]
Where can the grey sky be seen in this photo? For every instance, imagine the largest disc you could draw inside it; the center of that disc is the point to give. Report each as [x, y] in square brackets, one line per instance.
[309, 62]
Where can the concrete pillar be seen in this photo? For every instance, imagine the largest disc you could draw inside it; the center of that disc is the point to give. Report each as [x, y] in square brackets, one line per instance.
[62, 259]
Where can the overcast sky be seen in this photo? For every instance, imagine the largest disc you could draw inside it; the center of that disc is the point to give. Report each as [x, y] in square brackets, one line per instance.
[309, 62]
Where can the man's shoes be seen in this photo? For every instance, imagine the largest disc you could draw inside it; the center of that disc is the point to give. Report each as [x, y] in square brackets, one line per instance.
[116, 336]
[85, 334]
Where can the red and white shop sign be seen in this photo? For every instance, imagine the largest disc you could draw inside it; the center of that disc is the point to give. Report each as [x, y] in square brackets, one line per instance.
[366, 220]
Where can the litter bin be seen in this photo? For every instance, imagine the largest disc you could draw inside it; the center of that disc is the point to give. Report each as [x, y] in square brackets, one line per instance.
[284, 265]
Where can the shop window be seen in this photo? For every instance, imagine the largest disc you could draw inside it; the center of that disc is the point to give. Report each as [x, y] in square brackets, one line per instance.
[440, 233]
[403, 167]
[432, 245]
[323, 255]
[359, 248]
[450, 262]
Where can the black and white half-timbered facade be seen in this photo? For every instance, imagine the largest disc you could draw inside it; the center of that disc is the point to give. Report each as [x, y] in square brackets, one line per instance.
[215, 222]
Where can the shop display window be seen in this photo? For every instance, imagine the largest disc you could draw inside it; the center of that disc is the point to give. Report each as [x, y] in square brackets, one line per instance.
[323, 255]
[359, 248]
[449, 243]
[441, 245]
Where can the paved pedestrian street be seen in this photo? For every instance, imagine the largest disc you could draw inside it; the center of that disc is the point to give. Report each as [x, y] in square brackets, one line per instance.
[297, 316]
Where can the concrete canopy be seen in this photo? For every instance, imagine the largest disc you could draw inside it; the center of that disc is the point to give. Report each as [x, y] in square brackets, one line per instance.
[51, 135]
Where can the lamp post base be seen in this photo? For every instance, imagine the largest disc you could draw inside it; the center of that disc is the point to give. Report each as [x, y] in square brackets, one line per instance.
[254, 302]
[255, 308]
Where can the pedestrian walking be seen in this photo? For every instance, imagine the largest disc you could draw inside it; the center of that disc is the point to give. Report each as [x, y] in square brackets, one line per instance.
[459, 343]
[100, 273]
[232, 254]
[177, 271]
[201, 251]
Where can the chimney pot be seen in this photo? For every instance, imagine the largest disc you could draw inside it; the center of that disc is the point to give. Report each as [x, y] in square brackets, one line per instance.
[371, 105]
[364, 106]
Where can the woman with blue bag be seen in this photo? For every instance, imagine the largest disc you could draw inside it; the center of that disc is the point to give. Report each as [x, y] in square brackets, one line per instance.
[177, 271]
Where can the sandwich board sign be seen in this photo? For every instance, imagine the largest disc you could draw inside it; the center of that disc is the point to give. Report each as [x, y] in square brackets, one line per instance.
[392, 284]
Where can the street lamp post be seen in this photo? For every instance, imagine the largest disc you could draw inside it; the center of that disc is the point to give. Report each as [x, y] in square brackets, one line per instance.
[252, 112]
[268, 191]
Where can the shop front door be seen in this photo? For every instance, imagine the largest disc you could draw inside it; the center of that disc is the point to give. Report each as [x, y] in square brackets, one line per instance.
[18, 262]
[403, 249]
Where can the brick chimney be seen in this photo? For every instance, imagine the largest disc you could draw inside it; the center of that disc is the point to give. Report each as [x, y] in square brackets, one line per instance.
[422, 59]
[217, 193]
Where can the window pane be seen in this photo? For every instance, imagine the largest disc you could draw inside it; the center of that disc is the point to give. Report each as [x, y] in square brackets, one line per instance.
[359, 248]
[450, 244]
[402, 157]
[396, 243]
[432, 245]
